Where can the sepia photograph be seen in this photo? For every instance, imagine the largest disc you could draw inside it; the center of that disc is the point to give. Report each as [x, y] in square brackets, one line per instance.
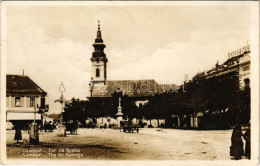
[166, 82]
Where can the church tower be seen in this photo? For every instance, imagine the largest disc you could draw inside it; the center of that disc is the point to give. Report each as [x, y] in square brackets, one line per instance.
[99, 60]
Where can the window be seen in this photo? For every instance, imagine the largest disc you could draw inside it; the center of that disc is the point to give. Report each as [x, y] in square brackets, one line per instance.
[32, 101]
[42, 103]
[247, 83]
[17, 101]
[246, 68]
[97, 72]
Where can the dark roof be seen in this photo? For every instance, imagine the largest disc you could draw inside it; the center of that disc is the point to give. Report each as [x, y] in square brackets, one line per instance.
[132, 88]
[22, 84]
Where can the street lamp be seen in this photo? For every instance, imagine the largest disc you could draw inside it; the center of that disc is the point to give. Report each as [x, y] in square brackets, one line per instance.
[62, 100]
[35, 110]
[45, 115]
[34, 132]
[91, 86]
[61, 127]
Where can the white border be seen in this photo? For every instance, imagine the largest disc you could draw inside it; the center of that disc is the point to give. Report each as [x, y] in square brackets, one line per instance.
[254, 29]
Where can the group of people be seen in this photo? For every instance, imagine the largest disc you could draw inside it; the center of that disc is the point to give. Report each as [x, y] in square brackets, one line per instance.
[72, 127]
[49, 126]
[237, 145]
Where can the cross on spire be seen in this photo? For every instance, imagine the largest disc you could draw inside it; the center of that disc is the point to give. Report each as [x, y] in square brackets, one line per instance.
[98, 25]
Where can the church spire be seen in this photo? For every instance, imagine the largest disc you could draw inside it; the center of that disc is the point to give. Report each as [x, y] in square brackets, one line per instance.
[99, 36]
[99, 46]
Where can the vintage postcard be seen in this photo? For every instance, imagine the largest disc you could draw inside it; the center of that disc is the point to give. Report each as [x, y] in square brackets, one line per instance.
[130, 83]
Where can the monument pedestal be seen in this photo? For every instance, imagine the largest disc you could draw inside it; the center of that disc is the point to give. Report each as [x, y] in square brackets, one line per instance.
[119, 119]
[34, 134]
[119, 116]
[61, 130]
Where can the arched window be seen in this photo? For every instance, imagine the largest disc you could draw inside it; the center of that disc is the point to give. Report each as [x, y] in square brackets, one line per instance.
[97, 72]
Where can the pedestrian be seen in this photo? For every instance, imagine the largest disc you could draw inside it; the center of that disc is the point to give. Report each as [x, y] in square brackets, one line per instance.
[76, 127]
[236, 148]
[50, 126]
[247, 137]
[45, 126]
[53, 126]
[18, 133]
[28, 127]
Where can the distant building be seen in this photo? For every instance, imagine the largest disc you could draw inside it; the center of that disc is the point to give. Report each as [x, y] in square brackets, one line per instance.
[23, 96]
[238, 62]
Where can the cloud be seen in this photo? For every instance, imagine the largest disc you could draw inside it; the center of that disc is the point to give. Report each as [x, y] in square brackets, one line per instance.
[48, 61]
[199, 53]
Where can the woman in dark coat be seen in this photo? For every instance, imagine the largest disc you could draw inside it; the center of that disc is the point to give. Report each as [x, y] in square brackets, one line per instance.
[247, 137]
[236, 148]
[18, 133]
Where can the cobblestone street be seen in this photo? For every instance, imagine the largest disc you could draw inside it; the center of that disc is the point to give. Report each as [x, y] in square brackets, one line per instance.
[167, 144]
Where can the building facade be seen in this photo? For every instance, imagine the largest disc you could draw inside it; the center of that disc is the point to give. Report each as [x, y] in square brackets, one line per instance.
[238, 62]
[23, 98]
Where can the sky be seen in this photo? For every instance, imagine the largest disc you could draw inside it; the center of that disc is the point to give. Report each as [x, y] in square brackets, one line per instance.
[54, 43]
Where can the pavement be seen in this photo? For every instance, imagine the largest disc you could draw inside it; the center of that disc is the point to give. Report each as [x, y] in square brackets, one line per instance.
[110, 144]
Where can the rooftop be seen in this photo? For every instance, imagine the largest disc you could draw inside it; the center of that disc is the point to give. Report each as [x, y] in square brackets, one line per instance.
[22, 84]
[132, 88]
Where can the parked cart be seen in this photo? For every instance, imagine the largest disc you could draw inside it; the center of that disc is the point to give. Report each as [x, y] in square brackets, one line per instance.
[129, 127]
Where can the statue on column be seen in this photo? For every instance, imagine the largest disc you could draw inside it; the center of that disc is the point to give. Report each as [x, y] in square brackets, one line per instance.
[119, 109]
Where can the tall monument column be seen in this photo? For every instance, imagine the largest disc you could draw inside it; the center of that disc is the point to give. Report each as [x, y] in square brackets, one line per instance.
[119, 115]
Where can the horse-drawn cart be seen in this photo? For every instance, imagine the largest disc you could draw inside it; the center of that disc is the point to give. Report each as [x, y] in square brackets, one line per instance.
[128, 127]
[72, 127]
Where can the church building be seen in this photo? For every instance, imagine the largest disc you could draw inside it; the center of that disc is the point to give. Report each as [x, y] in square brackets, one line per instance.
[101, 87]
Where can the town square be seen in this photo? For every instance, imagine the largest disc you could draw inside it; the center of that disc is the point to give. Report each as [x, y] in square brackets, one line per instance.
[106, 83]
[109, 144]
